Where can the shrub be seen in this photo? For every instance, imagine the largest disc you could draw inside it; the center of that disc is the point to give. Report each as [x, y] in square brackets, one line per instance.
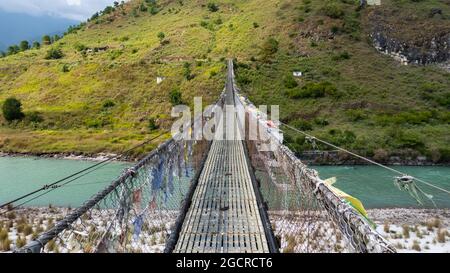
[20, 242]
[108, 104]
[290, 82]
[175, 97]
[405, 231]
[407, 140]
[443, 100]
[356, 114]
[342, 56]
[114, 54]
[51, 245]
[65, 68]
[413, 117]
[212, 7]
[34, 117]
[3, 234]
[161, 36]
[152, 124]
[204, 24]
[255, 25]
[243, 79]
[93, 123]
[12, 109]
[440, 235]
[444, 154]
[416, 246]
[143, 7]
[27, 230]
[80, 47]
[334, 11]
[339, 137]
[188, 72]
[321, 121]
[269, 48]
[386, 227]
[5, 245]
[302, 125]
[313, 90]
[54, 54]
[11, 215]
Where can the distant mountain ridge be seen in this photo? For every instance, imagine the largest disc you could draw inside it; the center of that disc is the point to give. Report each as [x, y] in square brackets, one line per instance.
[17, 27]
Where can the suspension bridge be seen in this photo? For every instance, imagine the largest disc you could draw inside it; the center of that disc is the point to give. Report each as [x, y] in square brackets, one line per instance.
[199, 196]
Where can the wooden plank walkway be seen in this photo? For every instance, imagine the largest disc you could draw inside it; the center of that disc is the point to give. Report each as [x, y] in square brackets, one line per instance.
[224, 216]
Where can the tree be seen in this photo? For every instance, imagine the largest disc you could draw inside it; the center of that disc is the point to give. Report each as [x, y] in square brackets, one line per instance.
[14, 49]
[94, 16]
[54, 54]
[36, 45]
[161, 36]
[24, 45]
[2, 54]
[12, 109]
[46, 40]
[56, 38]
[108, 10]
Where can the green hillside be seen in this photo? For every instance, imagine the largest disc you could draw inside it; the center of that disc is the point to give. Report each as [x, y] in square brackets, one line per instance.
[90, 102]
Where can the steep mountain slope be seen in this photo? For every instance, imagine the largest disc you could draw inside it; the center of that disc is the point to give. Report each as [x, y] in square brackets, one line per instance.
[102, 95]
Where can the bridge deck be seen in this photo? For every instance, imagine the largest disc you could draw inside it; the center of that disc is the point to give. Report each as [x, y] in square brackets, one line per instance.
[224, 216]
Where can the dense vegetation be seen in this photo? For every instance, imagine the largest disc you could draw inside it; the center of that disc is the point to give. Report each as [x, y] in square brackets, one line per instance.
[95, 89]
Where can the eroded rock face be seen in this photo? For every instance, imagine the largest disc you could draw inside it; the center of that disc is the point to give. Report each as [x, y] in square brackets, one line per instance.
[410, 39]
[422, 51]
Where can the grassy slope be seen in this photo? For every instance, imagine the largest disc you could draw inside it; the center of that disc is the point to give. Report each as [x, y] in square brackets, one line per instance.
[71, 102]
[383, 106]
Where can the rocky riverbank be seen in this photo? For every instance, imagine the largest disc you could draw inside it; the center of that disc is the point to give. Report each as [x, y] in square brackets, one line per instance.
[71, 156]
[330, 158]
[336, 158]
[409, 230]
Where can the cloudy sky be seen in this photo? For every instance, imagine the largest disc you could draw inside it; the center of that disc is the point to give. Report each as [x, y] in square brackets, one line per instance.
[70, 9]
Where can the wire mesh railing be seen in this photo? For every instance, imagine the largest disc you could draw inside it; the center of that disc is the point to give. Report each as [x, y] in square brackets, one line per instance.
[305, 213]
[136, 212]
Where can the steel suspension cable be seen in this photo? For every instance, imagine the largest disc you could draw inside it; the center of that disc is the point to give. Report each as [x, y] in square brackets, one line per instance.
[362, 157]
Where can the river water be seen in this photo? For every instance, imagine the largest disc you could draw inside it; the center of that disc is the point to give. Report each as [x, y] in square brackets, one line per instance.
[372, 185]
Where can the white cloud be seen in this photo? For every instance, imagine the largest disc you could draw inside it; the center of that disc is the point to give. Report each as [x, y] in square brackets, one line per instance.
[71, 9]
